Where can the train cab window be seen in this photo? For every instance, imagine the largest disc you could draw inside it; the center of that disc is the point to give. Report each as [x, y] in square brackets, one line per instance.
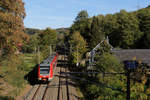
[44, 69]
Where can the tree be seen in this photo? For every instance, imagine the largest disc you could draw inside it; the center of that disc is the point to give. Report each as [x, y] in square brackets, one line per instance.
[32, 44]
[82, 15]
[78, 47]
[128, 31]
[107, 63]
[82, 24]
[97, 35]
[48, 36]
[107, 86]
[12, 14]
[144, 18]
[110, 24]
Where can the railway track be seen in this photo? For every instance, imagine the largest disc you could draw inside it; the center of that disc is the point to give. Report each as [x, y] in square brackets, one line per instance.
[36, 92]
[59, 86]
[63, 89]
[40, 92]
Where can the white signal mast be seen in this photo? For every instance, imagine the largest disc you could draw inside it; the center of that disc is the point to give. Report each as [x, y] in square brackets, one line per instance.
[93, 51]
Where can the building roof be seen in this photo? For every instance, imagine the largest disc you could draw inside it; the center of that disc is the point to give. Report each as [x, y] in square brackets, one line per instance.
[130, 54]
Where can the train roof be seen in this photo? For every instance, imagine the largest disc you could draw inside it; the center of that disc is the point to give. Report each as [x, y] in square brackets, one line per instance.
[47, 61]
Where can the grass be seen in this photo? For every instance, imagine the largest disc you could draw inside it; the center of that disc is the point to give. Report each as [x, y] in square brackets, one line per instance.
[13, 70]
[6, 98]
[80, 94]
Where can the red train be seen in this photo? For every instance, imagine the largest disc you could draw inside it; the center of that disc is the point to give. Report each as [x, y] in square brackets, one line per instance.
[46, 68]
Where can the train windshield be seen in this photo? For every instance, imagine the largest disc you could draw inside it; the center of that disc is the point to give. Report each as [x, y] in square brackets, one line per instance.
[44, 70]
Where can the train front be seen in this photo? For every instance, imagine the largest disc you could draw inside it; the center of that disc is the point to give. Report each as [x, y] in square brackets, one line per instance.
[44, 72]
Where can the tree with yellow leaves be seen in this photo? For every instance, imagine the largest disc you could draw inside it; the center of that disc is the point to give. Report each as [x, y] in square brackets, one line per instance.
[12, 13]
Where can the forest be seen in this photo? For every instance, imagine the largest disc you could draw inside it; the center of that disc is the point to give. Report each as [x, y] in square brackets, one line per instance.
[125, 30]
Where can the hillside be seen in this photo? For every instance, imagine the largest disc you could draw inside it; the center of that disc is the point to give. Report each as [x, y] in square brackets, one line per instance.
[32, 31]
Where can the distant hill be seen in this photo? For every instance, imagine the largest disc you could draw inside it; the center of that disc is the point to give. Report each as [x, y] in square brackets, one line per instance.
[32, 31]
[62, 30]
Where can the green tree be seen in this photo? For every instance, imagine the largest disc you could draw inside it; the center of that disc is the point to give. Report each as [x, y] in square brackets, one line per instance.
[128, 31]
[78, 47]
[106, 62]
[82, 24]
[82, 15]
[144, 18]
[109, 86]
[32, 44]
[97, 35]
[48, 36]
[110, 24]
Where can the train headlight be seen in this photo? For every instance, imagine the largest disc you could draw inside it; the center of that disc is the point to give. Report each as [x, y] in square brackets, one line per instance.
[49, 79]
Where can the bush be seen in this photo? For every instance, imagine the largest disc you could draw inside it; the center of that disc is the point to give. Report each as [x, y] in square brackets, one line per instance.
[108, 63]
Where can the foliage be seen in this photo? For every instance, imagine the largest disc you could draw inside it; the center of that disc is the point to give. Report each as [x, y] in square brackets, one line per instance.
[13, 69]
[106, 62]
[42, 41]
[124, 29]
[97, 35]
[60, 39]
[113, 86]
[110, 24]
[144, 18]
[48, 36]
[31, 45]
[6, 98]
[78, 47]
[127, 32]
[11, 25]
[104, 47]
[82, 24]
[82, 15]
[32, 31]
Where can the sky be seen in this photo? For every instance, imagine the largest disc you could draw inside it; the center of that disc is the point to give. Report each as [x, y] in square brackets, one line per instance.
[61, 13]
